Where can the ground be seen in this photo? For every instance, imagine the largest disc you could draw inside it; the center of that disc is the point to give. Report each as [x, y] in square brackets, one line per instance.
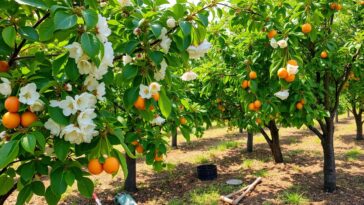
[297, 181]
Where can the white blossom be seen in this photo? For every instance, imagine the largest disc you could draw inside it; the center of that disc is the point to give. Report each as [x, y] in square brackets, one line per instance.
[102, 28]
[72, 134]
[3, 135]
[90, 83]
[54, 103]
[28, 94]
[68, 106]
[37, 106]
[154, 87]
[53, 127]
[273, 43]
[199, 51]
[160, 74]
[68, 87]
[84, 66]
[165, 44]
[292, 69]
[85, 101]
[171, 22]
[144, 92]
[158, 120]
[124, 3]
[75, 51]
[108, 58]
[127, 59]
[100, 72]
[283, 94]
[101, 91]
[5, 87]
[86, 117]
[282, 43]
[188, 76]
[89, 132]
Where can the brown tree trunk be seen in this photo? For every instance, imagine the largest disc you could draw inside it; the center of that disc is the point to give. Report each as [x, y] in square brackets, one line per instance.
[130, 182]
[348, 113]
[337, 117]
[359, 124]
[249, 144]
[327, 143]
[240, 130]
[174, 137]
[274, 141]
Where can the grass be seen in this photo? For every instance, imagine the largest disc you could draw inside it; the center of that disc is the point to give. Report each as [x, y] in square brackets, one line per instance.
[201, 160]
[353, 154]
[294, 195]
[248, 163]
[225, 146]
[261, 173]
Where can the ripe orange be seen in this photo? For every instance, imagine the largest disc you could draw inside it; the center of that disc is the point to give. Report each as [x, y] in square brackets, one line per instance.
[299, 106]
[140, 103]
[257, 104]
[12, 104]
[302, 101]
[158, 158]
[94, 167]
[139, 149]
[183, 120]
[251, 106]
[135, 143]
[245, 84]
[4, 66]
[252, 75]
[258, 121]
[339, 7]
[155, 96]
[11, 120]
[151, 107]
[27, 118]
[111, 165]
[282, 73]
[248, 83]
[333, 6]
[306, 28]
[362, 3]
[292, 62]
[290, 78]
[323, 54]
[271, 34]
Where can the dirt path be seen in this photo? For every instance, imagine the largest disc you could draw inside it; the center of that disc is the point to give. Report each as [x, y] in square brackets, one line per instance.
[298, 181]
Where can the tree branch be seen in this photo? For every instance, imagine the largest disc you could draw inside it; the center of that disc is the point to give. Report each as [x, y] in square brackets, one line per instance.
[316, 131]
[265, 135]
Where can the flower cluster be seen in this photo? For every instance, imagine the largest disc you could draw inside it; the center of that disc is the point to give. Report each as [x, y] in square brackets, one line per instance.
[188, 76]
[281, 43]
[199, 51]
[147, 92]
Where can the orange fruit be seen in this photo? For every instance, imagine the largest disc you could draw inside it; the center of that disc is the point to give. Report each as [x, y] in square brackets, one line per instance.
[302, 101]
[135, 143]
[362, 3]
[155, 96]
[27, 118]
[282, 73]
[257, 104]
[292, 62]
[151, 107]
[245, 84]
[183, 120]
[158, 158]
[258, 121]
[94, 167]
[111, 165]
[251, 106]
[323, 54]
[139, 103]
[306, 28]
[139, 149]
[271, 34]
[11, 120]
[248, 83]
[12, 104]
[252, 75]
[339, 7]
[299, 106]
[218, 100]
[4, 66]
[333, 6]
[290, 78]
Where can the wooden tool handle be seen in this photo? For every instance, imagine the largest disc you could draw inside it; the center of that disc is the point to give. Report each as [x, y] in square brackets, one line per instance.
[250, 188]
[226, 199]
[237, 192]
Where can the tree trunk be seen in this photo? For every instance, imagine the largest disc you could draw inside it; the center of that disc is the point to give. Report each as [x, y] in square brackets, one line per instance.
[337, 117]
[274, 142]
[348, 113]
[327, 143]
[249, 145]
[174, 137]
[240, 130]
[359, 126]
[130, 182]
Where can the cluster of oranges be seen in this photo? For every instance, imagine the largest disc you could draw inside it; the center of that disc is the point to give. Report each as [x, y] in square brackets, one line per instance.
[335, 6]
[246, 83]
[300, 104]
[138, 147]
[110, 166]
[140, 102]
[255, 106]
[283, 73]
[12, 119]
[220, 106]
[4, 66]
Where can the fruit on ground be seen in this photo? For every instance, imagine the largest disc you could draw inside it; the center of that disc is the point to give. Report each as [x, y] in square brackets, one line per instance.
[139, 149]
[183, 120]
[11, 120]
[158, 158]
[272, 33]
[156, 96]
[252, 75]
[257, 104]
[12, 104]
[282, 73]
[299, 106]
[111, 165]
[306, 28]
[27, 118]
[290, 78]
[94, 167]
[245, 84]
[139, 103]
[135, 143]
[4, 66]
[323, 54]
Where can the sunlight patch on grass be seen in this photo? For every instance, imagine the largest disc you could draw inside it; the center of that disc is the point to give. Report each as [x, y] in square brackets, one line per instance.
[225, 146]
[248, 163]
[261, 173]
[201, 159]
[210, 194]
[353, 154]
[292, 140]
[259, 139]
[294, 195]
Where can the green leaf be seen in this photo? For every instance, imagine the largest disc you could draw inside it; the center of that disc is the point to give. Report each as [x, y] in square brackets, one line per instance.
[29, 33]
[6, 184]
[92, 3]
[64, 20]
[185, 133]
[61, 148]
[90, 17]
[156, 29]
[33, 3]
[130, 97]
[28, 142]
[70, 178]
[8, 153]
[9, 35]
[71, 70]
[204, 19]
[186, 27]
[46, 30]
[122, 160]
[156, 56]
[58, 63]
[164, 104]
[23, 195]
[90, 44]
[85, 187]
[38, 188]
[51, 197]
[58, 182]
[27, 171]
[129, 72]
[179, 10]
[40, 139]
[57, 115]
